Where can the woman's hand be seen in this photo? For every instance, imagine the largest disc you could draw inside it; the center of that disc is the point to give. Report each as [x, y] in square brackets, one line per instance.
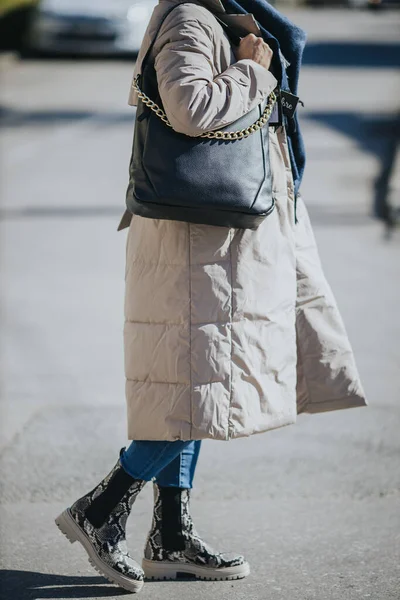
[255, 48]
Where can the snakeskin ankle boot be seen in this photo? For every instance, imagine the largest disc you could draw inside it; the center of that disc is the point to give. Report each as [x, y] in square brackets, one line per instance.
[174, 547]
[98, 522]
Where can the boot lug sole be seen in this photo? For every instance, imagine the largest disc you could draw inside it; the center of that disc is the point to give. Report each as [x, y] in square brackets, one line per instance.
[161, 570]
[68, 526]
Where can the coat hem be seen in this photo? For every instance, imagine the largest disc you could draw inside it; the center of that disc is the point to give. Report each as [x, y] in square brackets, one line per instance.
[339, 404]
[224, 436]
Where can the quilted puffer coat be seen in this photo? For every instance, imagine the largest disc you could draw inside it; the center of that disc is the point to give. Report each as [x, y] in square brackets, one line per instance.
[228, 331]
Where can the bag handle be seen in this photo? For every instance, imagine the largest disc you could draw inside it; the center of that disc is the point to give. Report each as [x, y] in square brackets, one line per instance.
[219, 134]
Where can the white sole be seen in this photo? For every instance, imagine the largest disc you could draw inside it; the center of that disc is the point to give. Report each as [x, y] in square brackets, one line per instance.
[169, 570]
[69, 527]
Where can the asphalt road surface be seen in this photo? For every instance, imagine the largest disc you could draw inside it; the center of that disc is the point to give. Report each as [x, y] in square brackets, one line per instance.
[314, 507]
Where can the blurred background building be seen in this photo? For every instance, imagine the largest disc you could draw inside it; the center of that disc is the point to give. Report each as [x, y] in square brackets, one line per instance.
[81, 26]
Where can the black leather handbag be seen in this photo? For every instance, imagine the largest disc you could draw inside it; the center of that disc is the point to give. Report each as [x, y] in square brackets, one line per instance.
[218, 178]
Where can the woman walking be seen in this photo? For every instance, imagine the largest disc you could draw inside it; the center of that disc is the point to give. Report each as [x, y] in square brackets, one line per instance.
[229, 330]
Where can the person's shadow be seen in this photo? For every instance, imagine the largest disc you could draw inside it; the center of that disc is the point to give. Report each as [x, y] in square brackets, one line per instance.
[30, 585]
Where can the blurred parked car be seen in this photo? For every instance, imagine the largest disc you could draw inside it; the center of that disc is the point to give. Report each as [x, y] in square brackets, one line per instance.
[9, 6]
[89, 26]
[15, 19]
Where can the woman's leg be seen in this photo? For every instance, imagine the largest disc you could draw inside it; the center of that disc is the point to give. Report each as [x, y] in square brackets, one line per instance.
[173, 544]
[98, 519]
[145, 459]
[180, 472]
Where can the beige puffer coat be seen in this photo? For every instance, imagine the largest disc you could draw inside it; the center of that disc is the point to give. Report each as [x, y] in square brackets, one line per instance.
[228, 332]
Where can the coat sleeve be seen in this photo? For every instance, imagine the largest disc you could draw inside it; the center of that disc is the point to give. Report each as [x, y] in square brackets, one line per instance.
[196, 99]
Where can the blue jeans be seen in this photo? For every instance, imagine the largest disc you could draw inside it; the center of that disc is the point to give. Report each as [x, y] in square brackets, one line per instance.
[172, 464]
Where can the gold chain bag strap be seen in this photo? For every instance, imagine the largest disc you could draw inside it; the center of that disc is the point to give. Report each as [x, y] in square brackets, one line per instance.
[203, 179]
[220, 135]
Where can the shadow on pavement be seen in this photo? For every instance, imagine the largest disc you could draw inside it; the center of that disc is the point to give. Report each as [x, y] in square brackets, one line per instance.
[30, 585]
[27, 54]
[378, 136]
[331, 53]
[369, 132]
[62, 212]
[352, 54]
[10, 117]
[320, 215]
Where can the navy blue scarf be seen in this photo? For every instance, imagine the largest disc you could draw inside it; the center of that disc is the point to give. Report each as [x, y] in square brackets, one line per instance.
[284, 36]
